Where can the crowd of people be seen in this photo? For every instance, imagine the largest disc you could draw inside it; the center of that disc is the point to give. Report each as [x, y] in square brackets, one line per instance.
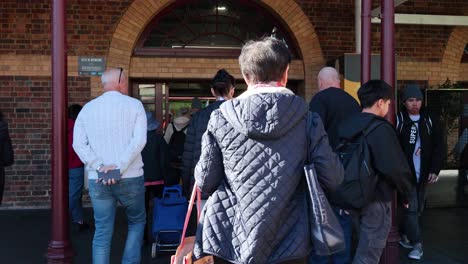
[246, 155]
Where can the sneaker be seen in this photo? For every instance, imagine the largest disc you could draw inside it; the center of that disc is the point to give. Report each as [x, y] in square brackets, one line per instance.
[404, 242]
[417, 252]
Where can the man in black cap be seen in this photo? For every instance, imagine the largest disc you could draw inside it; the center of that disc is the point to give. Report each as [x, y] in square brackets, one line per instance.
[420, 137]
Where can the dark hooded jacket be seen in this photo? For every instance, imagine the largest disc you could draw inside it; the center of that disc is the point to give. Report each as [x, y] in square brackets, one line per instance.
[155, 157]
[388, 160]
[251, 163]
[192, 146]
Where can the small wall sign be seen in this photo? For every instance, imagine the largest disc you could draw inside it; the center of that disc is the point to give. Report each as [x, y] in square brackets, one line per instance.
[91, 66]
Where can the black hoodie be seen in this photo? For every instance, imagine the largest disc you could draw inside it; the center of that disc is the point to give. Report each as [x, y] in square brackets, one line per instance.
[388, 159]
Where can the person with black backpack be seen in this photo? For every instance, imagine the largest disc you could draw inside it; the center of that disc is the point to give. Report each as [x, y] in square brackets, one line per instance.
[420, 137]
[6, 153]
[374, 167]
[175, 137]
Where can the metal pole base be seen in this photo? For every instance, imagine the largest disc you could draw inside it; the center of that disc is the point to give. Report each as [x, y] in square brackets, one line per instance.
[59, 252]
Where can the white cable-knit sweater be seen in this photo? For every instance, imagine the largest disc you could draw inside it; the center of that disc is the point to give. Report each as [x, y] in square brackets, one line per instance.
[111, 130]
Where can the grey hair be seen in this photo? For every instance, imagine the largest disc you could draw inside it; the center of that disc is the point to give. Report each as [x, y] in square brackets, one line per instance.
[264, 60]
[111, 76]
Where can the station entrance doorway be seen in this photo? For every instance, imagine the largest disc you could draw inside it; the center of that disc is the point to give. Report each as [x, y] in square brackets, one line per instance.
[165, 98]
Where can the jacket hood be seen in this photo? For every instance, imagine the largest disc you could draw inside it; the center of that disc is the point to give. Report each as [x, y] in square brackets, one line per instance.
[181, 122]
[265, 115]
[355, 124]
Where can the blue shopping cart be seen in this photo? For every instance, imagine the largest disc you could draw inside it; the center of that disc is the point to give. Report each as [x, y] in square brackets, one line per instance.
[168, 217]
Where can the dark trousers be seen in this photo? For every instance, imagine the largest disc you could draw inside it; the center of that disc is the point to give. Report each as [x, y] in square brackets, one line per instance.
[411, 226]
[374, 222]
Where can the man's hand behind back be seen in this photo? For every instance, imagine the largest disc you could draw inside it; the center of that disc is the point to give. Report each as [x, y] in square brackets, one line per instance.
[106, 169]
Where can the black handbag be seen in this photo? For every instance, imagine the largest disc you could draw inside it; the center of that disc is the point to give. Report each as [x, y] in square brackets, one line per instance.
[326, 232]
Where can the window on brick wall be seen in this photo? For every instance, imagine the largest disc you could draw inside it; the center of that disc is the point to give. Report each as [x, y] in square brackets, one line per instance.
[207, 28]
[465, 54]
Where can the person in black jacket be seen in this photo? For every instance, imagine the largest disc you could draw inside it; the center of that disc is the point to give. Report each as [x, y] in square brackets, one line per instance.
[156, 164]
[222, 87]
[421, 139]
[155, 153]
[389, 164]
[333, 106]
[6, 153]
[332, 103]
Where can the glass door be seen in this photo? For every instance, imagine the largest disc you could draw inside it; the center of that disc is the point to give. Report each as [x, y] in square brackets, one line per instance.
[154, 97]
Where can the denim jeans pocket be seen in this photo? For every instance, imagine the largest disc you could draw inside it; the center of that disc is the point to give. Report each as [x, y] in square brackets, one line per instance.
[131, 187]
[98, 190]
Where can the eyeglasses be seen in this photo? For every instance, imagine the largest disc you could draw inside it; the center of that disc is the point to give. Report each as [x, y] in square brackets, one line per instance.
[120, 75]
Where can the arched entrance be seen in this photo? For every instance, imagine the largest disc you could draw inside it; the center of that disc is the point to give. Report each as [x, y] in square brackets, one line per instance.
[141, 13]
[450, 66]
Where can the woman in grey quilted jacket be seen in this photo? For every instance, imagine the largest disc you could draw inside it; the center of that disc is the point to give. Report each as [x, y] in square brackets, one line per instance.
[251, 164]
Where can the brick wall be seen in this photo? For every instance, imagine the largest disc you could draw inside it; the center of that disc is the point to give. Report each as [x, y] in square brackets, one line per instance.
[25, 26]
[334, 23]
[464, 72]
[434, 7]
[26, 102]
[182, 68]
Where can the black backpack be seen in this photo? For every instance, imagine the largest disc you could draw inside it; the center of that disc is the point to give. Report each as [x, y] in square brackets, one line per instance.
[176, 144]
[359, 184]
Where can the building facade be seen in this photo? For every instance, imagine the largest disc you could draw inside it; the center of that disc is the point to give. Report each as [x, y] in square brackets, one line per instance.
[182, 43]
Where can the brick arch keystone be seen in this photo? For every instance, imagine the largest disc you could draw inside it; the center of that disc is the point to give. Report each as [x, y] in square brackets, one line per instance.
[141, 12]
[450, 66]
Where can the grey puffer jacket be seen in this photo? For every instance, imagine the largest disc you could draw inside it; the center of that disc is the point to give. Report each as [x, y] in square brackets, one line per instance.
[252, 165]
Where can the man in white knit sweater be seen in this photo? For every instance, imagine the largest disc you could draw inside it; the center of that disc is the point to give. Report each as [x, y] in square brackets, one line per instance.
[109, 134]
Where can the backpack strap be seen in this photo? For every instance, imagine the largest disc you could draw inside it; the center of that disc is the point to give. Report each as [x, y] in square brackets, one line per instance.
[373, 125]
[400, 122]
[428, 124]
[182, 130]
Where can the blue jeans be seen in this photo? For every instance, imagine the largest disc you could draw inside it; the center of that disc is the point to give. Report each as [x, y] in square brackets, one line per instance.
[75, 192]
[343, 257]
[131, 195]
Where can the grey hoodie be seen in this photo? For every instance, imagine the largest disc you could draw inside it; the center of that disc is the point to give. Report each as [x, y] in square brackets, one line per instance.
[252, 165]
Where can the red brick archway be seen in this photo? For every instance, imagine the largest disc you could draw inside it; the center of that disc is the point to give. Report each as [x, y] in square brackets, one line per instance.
[141, 12]
[450, 66]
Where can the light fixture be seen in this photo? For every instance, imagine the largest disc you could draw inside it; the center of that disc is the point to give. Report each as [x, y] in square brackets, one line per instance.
[221, 8]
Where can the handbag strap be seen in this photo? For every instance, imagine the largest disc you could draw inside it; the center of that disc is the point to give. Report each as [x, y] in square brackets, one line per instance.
[308, 141]
[195, 193]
